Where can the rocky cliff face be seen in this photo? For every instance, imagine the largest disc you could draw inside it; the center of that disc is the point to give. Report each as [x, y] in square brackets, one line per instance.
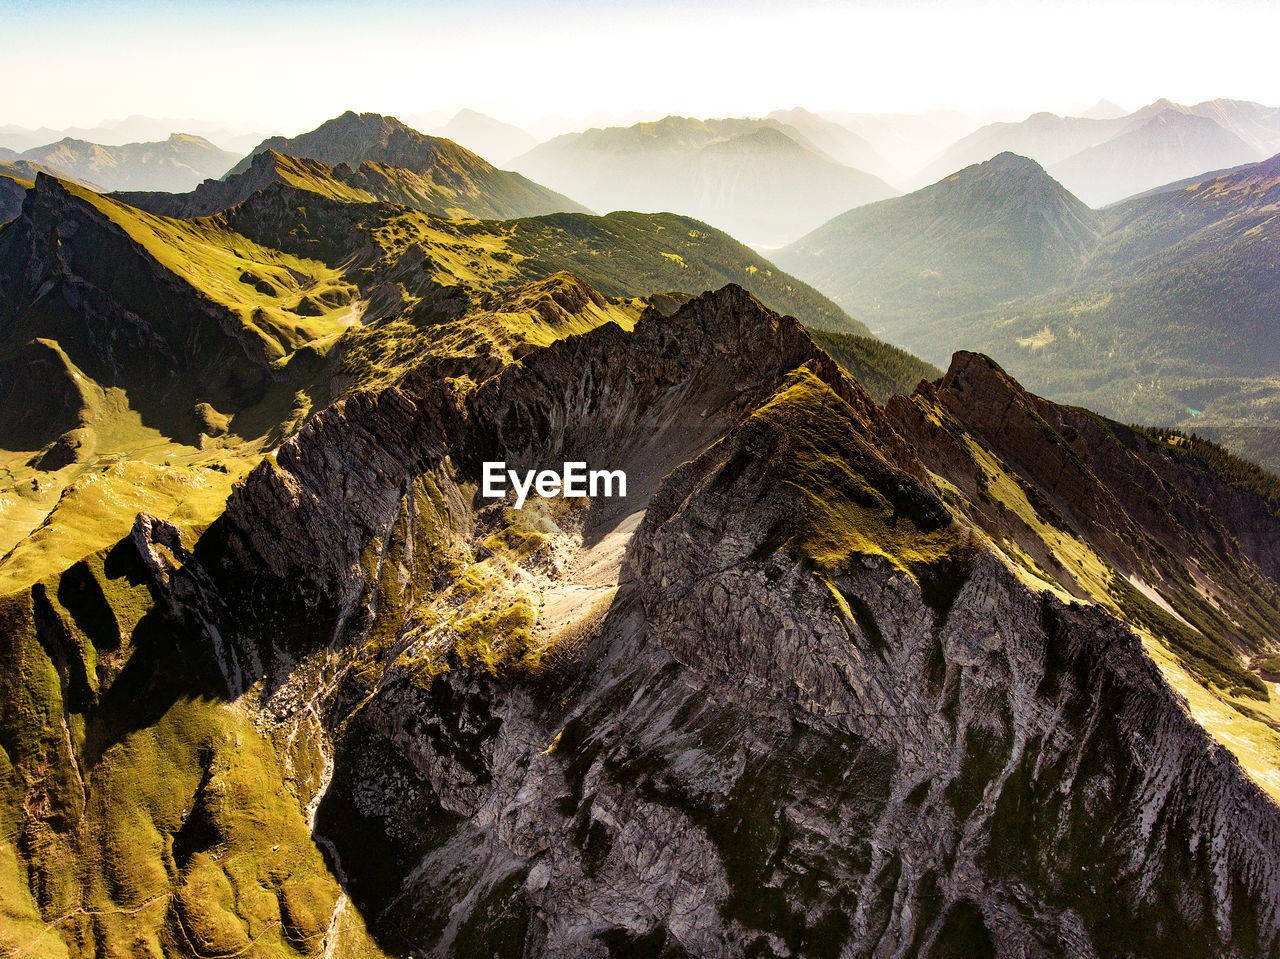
[1189, 552]
[797, 695]
[12, 193]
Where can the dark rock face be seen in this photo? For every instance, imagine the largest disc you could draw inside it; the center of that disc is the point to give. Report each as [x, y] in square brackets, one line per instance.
[818, 718]
[1205, 543]
[12, 194]
[1147, 487]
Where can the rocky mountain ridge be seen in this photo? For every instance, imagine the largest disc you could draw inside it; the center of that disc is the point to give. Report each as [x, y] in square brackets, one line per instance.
[968, 671]
[786, 699]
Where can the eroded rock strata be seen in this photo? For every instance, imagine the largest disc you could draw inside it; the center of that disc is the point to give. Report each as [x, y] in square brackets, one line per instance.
[783, 700]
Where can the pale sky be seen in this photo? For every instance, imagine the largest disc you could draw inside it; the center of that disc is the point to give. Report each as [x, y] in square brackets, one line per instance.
[286, 66]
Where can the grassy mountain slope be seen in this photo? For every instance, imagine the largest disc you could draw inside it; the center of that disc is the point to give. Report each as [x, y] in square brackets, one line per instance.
[758, 180]
[623, 254]
[437, 190]
[266, 168]
[988, 233]
[168, 353]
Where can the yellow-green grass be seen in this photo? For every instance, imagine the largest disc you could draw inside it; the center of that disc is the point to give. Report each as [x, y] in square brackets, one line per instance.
[25, 184]
[1246, 725]
[848, 512]
[98, 505]
[263, 287]
[181, 836]
[1090, 571]
[377, 356]
[317, 178]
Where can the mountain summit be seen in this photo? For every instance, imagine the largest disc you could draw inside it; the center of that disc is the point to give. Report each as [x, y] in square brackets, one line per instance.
[992, 230]
[354, 139]
[762, 181]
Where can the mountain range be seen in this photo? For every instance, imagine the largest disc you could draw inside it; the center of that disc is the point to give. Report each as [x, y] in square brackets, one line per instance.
[759, 180]
[175, 164]
[872, 657]
[1105, 159]
[131, 129]
[1103, 154]
[280, 681]
[492, 139]
[1160, 309]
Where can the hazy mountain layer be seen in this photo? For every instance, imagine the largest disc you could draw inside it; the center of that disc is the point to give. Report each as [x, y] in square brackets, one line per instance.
[838, 142]
[1166, 316]
[1256, 124]
[757, 180]
[1044, 137]
[1169, 146]
[907, 141]
[132, 129]
[1105, 159]
[175, 164]
[492, 139]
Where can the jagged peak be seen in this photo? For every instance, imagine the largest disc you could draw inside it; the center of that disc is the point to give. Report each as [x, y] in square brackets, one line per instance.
[48, 189]
[367, 123]
[967, 366]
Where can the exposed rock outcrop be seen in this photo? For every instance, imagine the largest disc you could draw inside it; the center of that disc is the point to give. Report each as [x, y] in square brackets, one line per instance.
[819, 715]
